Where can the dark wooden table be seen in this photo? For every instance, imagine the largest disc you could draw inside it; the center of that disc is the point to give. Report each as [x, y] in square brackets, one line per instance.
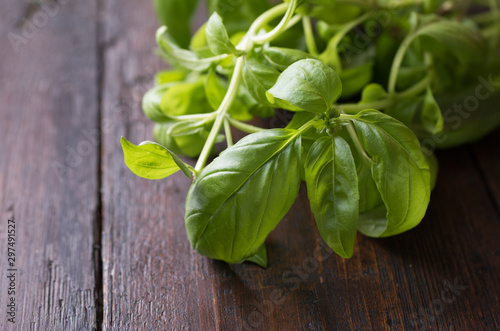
[99, 248]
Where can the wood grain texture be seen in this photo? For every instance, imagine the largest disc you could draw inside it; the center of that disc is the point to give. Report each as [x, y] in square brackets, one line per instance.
[80, 77]
[488, 158]
[439, 276]
[48, 165]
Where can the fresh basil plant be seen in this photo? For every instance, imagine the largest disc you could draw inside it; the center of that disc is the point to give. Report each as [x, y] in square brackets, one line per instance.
[370, 85]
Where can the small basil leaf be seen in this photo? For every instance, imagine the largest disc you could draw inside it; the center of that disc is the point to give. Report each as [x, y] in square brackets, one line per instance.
[336, 13]
[306, 85]
[151, 160]
[185, 98]
[354, 79]
[405, 110]
[169, 76]
[281, 58]
[258, 78]
[254, 107]
[185, 138]
[332, 187]
[217, 37]
[238, 15]
[399, 170]
[151, 103]
[199, 43]
[372, 92]
[178, 56]
[215, 92]
[432, 118]
[239, 198]
[260, 258]
[177, 15]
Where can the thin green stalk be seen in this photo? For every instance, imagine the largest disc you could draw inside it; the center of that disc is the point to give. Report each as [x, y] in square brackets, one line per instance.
[227, 131]
[221, 114]
[306, 126]
[309, 34]
[355, 108]
[265, 38]
[354, 136]
[335, 41]
[398, 60]
[413, 91]
[245, 127]
[196, 117]
[266, 17]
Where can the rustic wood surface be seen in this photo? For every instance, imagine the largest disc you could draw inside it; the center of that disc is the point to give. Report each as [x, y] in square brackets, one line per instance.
[99, 248]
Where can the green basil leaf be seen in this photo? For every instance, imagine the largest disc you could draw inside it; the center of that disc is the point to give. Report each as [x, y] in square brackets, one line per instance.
[432, 118]
[452, 37]
[151, 160]
[369, 197]
[281, 58]
[399, 169]
[254, 107]
[216, 92]
[169, 76]
[258, 78]
[179, 56]
[239, 198]
[306, 85]
[217, 37]
[177, 16]
[260, 258]
[238, 15]
[199, 43]
[372, 92]
[332, 187]
[405, 110]
[184, 138]
[335, 13]
[151, 103]
[185, 98]
[355, 79]
[433, 166]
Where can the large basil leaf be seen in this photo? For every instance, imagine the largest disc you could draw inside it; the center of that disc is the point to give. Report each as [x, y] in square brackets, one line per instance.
[151, 160]
[399, 169]
[239, 198]
[369, 197]
[332, 187]
[306, 85]
[260, 258]
[177, 15]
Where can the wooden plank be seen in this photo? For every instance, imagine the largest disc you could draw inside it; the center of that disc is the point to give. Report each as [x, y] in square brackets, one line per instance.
[49, 163]
[488, 158]
[439, 275]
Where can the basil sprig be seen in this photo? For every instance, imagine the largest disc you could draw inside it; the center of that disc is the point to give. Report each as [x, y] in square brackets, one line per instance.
[362, 103]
